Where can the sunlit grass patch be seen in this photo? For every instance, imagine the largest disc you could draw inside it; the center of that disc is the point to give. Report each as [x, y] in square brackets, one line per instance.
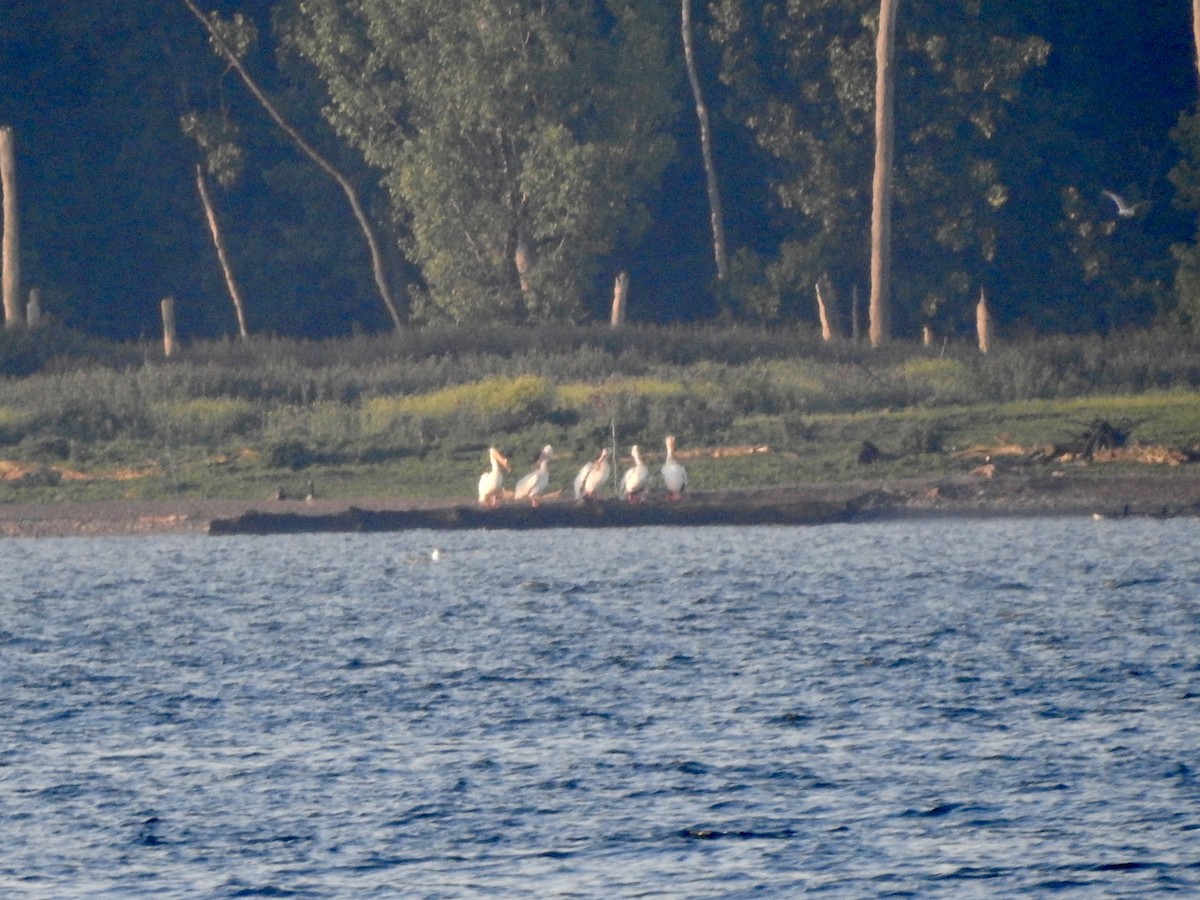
[1166, 417]
[581, 393]
[937, 379]
[14, 423]
[489, 396]
[205, 419]
[10, 417]
[801, 376]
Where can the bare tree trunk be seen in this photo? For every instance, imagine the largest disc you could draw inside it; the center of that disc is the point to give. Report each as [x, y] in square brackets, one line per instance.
[521, 264]
[827, 309]
[219, 242]
[168, 320]
[620, 294]
[1196, 32]
[10, 249]
[716, 216]
[881, 190]
[983, 323]
[377, 267]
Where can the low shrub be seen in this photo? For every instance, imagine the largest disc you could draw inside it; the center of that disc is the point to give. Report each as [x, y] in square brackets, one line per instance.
[293, 455]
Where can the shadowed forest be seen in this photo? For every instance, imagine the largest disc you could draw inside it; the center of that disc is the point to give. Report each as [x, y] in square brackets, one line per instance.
[512, 159]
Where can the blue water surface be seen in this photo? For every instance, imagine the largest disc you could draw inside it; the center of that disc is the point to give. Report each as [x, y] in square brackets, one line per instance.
[948, 708]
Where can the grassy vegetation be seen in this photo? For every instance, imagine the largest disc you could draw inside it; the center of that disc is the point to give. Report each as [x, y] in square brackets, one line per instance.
[412, 414]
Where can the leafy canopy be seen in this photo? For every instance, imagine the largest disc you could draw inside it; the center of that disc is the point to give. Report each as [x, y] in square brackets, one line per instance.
[517, 139]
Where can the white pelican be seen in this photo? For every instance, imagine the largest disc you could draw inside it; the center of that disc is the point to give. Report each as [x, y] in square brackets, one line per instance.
[592, 476]
[674, 475]
[636, 478]
[581, 477]
[533, 484]
[491, 482]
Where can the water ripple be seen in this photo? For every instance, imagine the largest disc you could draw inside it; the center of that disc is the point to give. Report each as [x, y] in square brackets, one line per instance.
[928, 710]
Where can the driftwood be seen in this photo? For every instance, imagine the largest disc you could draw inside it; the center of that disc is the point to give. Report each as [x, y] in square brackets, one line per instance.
[1101, 435]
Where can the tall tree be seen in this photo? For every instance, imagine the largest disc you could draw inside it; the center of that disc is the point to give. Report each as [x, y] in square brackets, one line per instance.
[802, 78]
[517, 139]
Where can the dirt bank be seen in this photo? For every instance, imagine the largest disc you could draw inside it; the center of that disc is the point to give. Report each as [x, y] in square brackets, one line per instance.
[1043, 493]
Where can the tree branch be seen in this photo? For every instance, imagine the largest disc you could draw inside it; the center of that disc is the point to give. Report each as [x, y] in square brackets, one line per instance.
[308, 150]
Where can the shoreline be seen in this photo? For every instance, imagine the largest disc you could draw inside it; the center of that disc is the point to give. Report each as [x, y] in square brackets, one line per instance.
[1021, 494]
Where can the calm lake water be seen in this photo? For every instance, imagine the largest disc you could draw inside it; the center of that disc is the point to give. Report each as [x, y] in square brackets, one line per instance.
[931, 709]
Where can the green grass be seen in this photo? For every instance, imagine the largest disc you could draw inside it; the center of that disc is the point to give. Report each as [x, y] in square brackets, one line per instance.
[412, 415]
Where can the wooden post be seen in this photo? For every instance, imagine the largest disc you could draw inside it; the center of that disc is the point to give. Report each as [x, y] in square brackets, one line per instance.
[214, 227]
[855, 316]
[10, 266]
[168, 319]
[926, 336]
[983, 323]
[33, 309]
[620, 293]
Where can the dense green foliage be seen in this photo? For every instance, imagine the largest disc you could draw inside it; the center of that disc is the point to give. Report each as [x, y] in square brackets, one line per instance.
[803, 77]
[413, 414]
[515, 141]
[518, 155]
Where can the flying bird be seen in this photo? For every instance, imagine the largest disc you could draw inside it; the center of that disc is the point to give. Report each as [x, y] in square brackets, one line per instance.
[1124, 210]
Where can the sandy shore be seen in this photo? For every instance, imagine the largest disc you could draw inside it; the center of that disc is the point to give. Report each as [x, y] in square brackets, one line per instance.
[1040, 493]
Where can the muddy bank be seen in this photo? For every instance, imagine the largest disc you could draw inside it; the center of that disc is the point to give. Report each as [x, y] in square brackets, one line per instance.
[758, 508]
[1051, 494]
[1156, 493]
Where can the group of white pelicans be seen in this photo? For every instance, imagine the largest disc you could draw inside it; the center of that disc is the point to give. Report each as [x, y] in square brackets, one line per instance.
[588, 483]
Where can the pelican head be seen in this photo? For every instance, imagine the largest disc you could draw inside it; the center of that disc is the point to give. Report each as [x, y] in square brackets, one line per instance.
[498, 458]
